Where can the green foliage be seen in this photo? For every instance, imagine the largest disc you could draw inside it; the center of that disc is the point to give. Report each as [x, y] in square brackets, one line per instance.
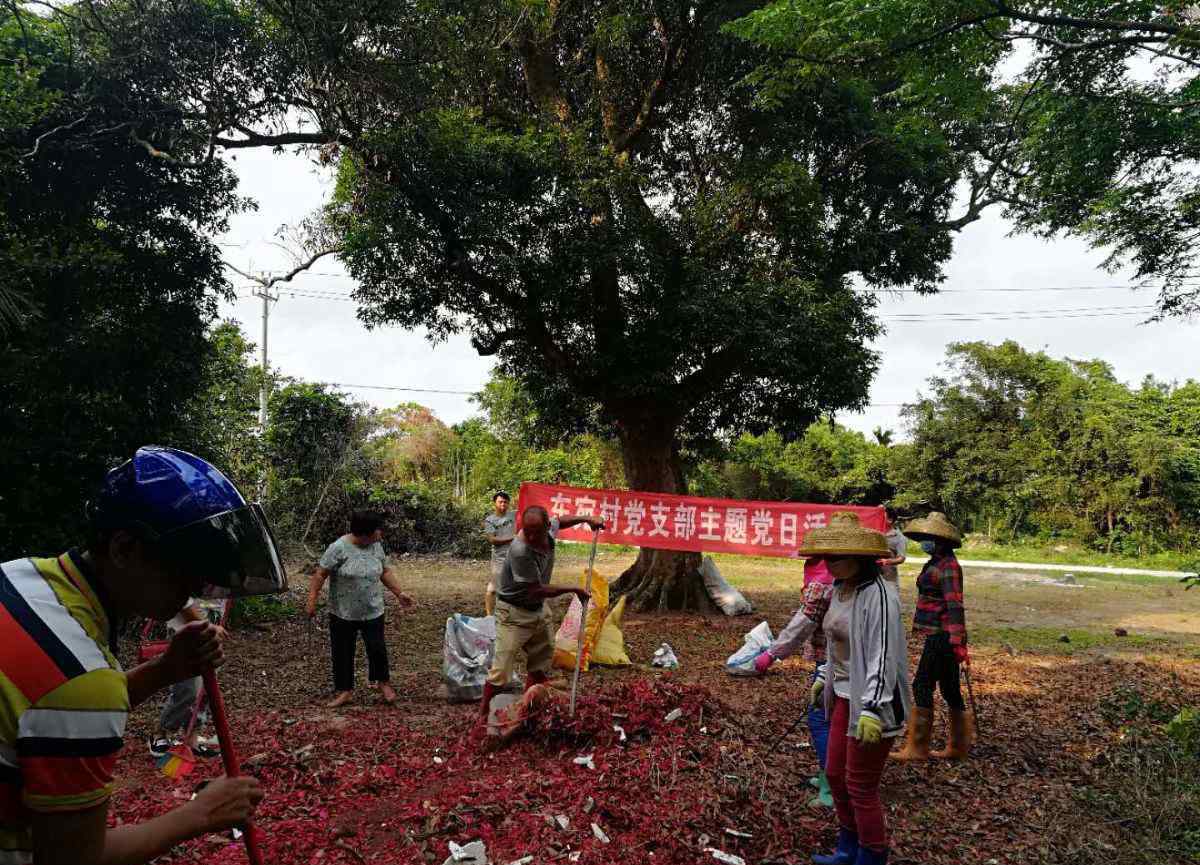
[1016, 443]
[314, 444]
[260, 610]
[1076, 116]
[108, 279]
[410, 445]
[1141, 809]
[223, 415]
[1184, 730]
[1128, 705]
[828, 463]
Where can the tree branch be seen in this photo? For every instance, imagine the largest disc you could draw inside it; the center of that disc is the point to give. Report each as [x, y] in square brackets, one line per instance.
[292, 274]
[672, 56]
[63, 128]
[1008, 11]
[946, 31]
[182, 163]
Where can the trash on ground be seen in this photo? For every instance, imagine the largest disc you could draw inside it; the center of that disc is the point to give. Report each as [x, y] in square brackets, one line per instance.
[741, 662]
[673, 715]
[599, 833]
[584, 761]
[664, 656]
[473, 853]
[723, 857]
[467, 650]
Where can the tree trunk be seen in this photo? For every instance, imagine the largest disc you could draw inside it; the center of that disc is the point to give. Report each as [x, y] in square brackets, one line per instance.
[659, 580]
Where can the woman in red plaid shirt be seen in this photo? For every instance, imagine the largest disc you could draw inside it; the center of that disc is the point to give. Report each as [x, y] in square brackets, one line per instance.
[941, 618]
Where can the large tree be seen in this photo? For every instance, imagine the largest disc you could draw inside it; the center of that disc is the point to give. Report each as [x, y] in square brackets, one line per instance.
[605, 203]
[620, 201]
[105, 251]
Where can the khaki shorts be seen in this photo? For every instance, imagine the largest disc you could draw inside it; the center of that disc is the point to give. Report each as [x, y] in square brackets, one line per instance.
[494, 580]
[520, 630]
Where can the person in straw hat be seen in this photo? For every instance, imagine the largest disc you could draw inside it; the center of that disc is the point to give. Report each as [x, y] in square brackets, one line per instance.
[861, 683]
[941, 618]
[803, 633]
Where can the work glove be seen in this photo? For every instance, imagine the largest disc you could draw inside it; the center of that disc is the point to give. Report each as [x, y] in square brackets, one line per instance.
[869, 729]
[763, 662]
[814, 695]
[962, 655]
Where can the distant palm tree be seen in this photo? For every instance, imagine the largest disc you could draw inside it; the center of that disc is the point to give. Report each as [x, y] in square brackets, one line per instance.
[883, 437]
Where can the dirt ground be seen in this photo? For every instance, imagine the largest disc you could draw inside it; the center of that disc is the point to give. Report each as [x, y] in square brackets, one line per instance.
[1045, 705]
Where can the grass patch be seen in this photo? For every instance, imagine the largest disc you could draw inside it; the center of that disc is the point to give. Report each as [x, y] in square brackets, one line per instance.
[1063, 554]
[1047, 640]
[260, 610]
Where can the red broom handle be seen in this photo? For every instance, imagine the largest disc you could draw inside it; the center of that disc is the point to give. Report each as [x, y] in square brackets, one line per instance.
[203, 695]
[229, 756]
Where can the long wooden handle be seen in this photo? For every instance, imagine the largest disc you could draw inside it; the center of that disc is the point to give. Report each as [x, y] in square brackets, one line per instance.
[583, 623]
[229, 757]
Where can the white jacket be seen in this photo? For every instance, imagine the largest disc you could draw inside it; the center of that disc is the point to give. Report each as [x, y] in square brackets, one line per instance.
[878, 659]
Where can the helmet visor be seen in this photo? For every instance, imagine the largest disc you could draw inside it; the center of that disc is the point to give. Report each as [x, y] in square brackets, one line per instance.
[234, 551]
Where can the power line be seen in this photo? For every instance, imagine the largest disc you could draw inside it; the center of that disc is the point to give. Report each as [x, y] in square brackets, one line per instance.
[473, 392]
[406, 389]
[1023, 289]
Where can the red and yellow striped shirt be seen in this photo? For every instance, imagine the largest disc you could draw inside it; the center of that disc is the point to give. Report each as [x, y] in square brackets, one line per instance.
[63, 696]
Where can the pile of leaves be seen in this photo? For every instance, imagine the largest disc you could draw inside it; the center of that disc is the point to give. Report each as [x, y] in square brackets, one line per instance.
[669, 775]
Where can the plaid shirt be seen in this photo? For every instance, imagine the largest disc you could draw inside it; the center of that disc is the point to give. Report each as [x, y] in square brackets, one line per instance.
[804, 630]
[940, 600]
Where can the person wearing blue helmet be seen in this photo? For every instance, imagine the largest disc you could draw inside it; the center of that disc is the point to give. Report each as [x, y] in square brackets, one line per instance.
[165, 526]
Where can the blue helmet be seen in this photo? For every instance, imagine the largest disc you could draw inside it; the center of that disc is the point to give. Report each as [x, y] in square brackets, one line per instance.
[195, 516]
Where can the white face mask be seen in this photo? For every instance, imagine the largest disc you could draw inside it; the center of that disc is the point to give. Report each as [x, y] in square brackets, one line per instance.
[929, 547]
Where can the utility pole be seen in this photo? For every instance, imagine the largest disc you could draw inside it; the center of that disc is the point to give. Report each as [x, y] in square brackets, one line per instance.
[264, 292]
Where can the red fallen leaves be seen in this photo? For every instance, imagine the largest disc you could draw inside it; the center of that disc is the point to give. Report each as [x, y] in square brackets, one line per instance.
[372, 791]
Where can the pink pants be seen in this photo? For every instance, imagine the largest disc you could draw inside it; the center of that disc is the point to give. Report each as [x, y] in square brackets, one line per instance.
[853, 771]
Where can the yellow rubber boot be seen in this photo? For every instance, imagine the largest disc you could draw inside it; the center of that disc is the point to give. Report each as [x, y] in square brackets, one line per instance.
[961, 735]
[916, 746]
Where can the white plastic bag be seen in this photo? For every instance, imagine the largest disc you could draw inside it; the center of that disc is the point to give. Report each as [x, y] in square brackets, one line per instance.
[664, 656]
[474, 853]
[467, 652]
[741, 662]
[726, 597]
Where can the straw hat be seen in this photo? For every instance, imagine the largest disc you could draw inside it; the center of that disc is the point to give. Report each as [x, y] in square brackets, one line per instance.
[934, 527]
[844, 536]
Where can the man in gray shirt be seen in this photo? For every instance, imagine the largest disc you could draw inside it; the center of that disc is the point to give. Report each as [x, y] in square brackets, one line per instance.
[524, 585]
[499, 527]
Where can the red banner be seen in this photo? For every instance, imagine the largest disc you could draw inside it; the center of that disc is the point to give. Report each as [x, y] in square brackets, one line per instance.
[691, 523]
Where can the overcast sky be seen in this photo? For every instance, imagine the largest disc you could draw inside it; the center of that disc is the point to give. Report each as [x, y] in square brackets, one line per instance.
[320, 339]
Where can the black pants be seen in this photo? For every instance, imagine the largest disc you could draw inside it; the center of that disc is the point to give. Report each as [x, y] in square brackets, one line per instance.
[939, 668]
[343, 645]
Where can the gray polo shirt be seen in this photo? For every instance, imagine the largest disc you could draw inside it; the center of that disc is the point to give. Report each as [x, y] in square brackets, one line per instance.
[501, 528]
[525, 567]
[355, 590]
[899, 547]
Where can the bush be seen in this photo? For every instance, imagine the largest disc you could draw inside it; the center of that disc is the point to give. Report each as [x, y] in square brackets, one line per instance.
[420, 518]
[1142, 806]
[1184, 730]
